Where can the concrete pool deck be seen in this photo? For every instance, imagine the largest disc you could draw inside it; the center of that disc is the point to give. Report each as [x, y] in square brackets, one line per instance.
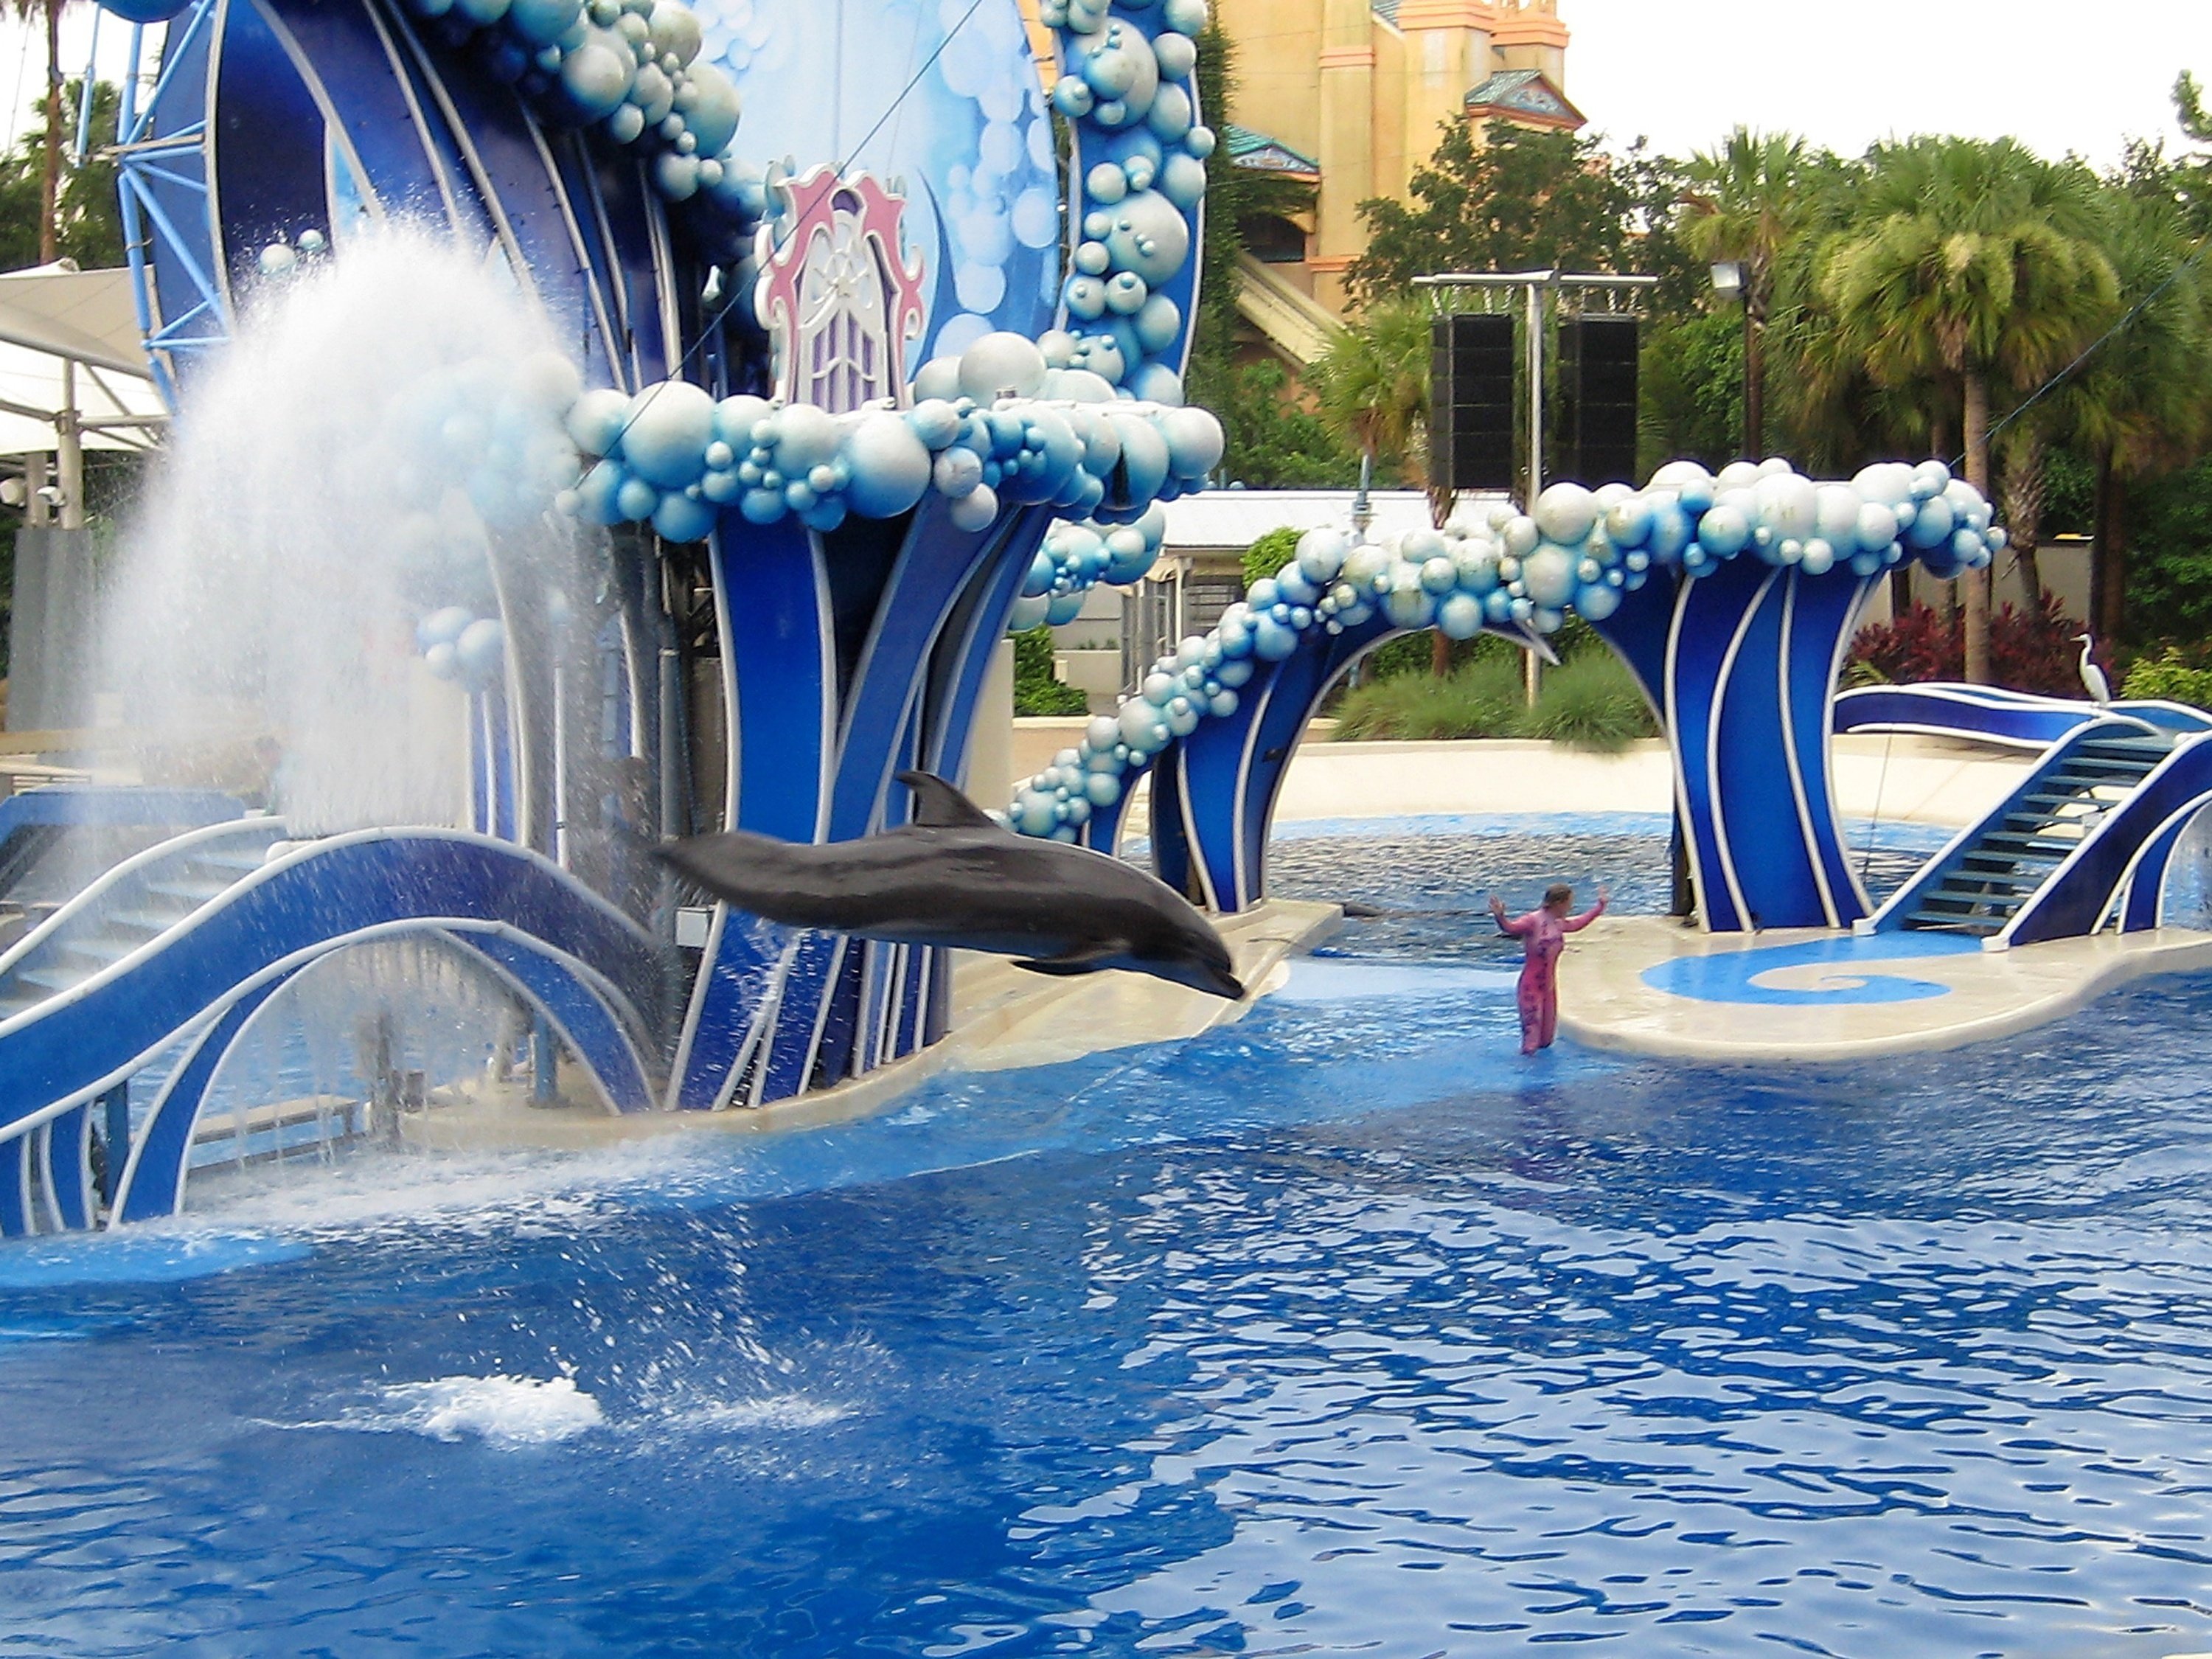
[1900, 780]
[1648, 985]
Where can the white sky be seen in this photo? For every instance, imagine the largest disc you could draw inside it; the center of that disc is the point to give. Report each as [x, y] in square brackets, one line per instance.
[2057, 75]
[23, 62]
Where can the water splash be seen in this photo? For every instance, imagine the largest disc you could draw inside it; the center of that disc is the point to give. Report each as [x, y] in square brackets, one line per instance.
[507, 1413]
[381, 436]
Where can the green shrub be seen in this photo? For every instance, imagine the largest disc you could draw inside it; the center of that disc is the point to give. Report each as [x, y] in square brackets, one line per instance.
[1269, 554]
[1590, 701]
[1036, 691]
[1480, 699]
[2169, 677]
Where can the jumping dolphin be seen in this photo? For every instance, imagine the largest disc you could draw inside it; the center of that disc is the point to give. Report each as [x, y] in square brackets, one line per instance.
[954, 877]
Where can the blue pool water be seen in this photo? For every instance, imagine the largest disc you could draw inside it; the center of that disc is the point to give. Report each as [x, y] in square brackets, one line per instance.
[1342, 1330]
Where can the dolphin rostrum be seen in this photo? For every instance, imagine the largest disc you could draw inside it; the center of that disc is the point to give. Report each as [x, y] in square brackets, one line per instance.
[954, 877]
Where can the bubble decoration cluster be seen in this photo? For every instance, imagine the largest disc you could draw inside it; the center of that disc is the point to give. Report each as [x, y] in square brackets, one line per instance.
[462, 649]
[631, 68]
[1581, 551]
[1128, 87]
[1074, 558]
[996, 425]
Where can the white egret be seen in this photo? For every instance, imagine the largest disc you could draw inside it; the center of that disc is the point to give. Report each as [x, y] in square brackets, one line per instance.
[2092, 678]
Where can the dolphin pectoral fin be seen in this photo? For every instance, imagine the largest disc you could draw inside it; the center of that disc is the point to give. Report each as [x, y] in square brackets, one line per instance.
[1083, 959]
[938, 805]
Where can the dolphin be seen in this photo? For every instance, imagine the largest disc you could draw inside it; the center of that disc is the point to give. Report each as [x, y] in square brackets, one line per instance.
[956, 878]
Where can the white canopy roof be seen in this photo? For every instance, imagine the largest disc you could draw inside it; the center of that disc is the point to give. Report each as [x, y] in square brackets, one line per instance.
[52, 316]
[1235, 519]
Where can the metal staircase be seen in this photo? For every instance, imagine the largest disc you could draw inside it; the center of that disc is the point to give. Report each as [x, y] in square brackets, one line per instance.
[132, 905]
[1978, 883]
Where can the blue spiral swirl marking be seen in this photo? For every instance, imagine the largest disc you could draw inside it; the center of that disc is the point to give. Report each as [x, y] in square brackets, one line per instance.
[1734, 976]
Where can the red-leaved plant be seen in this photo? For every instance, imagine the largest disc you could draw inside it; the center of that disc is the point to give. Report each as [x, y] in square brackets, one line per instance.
[2029, 650]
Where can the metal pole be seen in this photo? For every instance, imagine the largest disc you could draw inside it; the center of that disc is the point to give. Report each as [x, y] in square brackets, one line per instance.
[71, 452]
[1536, 392]
[1531, 668]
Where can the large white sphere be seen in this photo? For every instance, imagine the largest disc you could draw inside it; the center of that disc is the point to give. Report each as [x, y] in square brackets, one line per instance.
[1460, 616]
[596, 420]
[1787, 504]
[1876, 527]
[1676, 475]
[806, 437]
[1521, 536]
[479, 649]
[1195, 442]
[1886, 482]
[1321, 554]
[998, 364]
[671, 425]
[1566, 512]
[938, 378]
[1549, 575]
[713, 117]
[890, 466]
[976, 509]
[1836, 514]
[1933, 525]
[598, 74]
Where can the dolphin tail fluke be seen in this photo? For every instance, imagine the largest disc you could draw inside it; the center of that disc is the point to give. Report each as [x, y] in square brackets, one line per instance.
[938, 805]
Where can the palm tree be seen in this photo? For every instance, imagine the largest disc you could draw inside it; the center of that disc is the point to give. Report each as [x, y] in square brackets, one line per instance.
[2138, 404]
[1750, 203]
[1976, 264]
[1372, 386]
[50, 179]
[1372, 383]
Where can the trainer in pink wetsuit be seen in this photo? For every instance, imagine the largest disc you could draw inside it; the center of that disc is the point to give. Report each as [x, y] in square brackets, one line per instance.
[1543, 934]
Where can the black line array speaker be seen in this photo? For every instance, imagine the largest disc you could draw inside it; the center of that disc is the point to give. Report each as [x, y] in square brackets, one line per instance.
[1471, 401]
[1597, 383]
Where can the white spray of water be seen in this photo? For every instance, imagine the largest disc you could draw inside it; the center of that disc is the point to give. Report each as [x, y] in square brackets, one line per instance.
[343, 468]
[507, 1413]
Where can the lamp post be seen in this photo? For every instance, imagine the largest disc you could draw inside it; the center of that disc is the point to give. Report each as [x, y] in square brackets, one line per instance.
[1732, 281]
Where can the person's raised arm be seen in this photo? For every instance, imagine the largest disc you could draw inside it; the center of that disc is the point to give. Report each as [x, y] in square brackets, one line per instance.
[1511, 927]
[1576, 924]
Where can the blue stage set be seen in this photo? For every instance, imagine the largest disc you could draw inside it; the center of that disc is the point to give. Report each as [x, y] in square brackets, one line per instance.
[846, 391]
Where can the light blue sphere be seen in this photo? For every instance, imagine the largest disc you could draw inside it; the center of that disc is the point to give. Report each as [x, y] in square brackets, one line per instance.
[480, 649]
[669, 425]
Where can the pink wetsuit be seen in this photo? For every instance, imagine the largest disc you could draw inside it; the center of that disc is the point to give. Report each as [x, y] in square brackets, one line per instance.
[1542, 937]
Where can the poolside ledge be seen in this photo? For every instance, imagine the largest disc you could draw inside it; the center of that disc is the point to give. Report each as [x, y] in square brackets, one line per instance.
[1649, 985]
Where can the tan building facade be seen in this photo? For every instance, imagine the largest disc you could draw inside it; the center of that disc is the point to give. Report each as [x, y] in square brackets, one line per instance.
[1360, 91]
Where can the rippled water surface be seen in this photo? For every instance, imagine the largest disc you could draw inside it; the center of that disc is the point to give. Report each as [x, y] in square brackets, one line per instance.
[1340, 1331]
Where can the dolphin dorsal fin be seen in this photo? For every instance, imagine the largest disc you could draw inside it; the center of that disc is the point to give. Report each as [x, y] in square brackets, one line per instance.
[938, 805]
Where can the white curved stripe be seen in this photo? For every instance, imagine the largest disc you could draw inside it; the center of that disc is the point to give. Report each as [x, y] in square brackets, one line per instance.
[202, 1022]
[1239, 799]
[230, 895]
[760, 1036]
[827, 1001]
[458, 130]
[400, 73]
[1845, 635]
[585, 268]
[88, 898]
[1810, 842]
[2094, 839]
[2122, 889]
[1713, 748]
[1686, 820]
[1932, 871]
[332, 125]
